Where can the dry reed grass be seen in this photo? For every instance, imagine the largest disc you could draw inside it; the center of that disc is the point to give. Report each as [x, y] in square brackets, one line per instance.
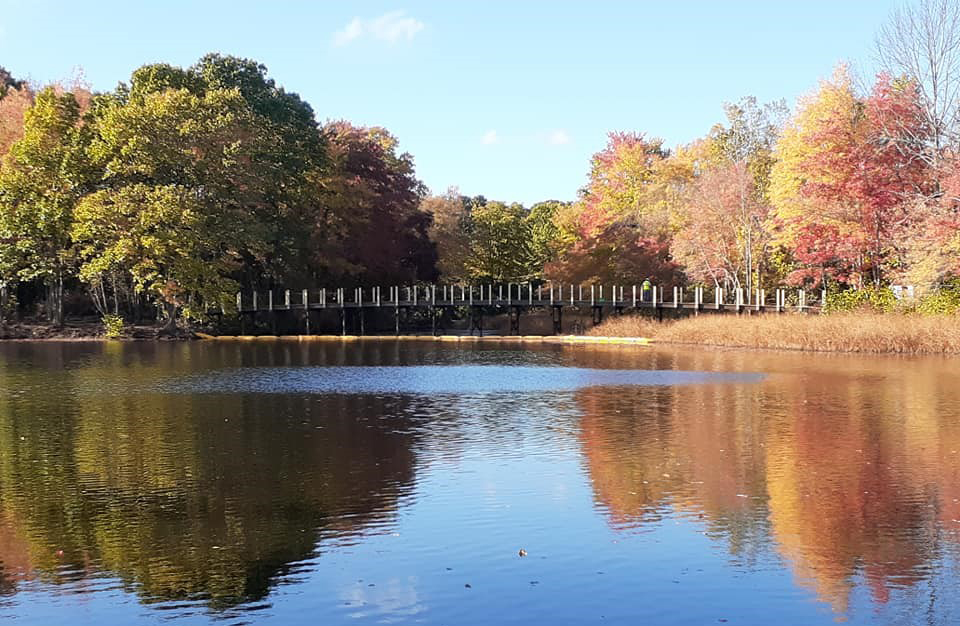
[842, 332]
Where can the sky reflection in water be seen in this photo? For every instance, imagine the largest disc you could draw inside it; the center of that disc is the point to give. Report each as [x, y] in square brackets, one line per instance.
[434, 379]
[286, 484]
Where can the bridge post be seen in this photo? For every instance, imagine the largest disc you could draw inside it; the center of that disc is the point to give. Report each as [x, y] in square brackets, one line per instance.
[239, 302]
[254, 299]
[286, 298]
[476, 319]
[596, 315]
[513, 313]
[396, 311]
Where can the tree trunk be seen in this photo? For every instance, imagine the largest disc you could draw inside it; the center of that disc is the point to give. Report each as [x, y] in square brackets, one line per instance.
[171, 326]
[58, 300]
[55, 300]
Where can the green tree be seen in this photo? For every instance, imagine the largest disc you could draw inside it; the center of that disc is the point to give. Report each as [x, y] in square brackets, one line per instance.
[43, 177]
[501, 244]
[547, 238]
[182, 185]
[295, 160]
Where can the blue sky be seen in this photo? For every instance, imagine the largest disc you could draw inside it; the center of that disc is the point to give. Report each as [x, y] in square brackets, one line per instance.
[504, 99]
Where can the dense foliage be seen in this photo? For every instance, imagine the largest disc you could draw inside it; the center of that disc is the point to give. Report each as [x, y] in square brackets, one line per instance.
[182, 186]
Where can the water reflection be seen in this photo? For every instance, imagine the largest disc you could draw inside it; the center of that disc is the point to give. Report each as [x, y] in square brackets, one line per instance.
[201, 498]
[852, 474]
[842, 472]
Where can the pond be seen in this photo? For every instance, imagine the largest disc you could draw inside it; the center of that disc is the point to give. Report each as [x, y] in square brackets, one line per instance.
[419, 482]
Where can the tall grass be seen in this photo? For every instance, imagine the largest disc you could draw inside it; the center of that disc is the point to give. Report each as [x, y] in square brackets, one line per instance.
[840, 332]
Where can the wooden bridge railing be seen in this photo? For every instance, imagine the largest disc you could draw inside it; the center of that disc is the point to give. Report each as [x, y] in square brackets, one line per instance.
[527, 295]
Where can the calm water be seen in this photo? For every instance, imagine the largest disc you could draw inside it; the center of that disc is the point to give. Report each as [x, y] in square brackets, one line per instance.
[285, 483]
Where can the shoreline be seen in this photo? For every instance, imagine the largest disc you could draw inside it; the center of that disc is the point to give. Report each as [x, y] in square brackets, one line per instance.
[861, 333]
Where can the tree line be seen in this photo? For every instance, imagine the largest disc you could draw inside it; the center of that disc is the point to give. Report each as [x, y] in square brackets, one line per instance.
[182, 186]
[855, 189]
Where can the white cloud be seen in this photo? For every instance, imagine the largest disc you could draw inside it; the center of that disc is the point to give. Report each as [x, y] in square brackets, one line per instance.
[489, 138]
[390, 27]
[558, 137]
[349, 32]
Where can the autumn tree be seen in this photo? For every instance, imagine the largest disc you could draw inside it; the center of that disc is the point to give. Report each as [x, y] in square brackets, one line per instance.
[841, 185]
[622, 184]
[921, 43]
[617, 253]
[368, 224]
[720, 228]
[450, 231]
[619, 228]
[721, 225]
[16, 97]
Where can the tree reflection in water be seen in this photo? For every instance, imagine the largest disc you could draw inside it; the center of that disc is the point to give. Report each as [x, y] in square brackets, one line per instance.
[850, 467]
[210, 498]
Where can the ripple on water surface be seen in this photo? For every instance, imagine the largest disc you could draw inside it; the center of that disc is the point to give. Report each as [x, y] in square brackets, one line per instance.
[378, 482]
[440, 379]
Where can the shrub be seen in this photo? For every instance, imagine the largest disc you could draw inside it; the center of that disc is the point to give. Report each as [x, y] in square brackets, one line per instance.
[877, 299]
[113, 326]
[943, 301]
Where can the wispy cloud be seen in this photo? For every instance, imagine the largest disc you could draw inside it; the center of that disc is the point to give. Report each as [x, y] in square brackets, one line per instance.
[390, 27]
[558, 137]
[489, 138]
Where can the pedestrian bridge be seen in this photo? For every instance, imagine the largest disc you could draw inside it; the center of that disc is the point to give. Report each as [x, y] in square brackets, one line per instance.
[514, 299]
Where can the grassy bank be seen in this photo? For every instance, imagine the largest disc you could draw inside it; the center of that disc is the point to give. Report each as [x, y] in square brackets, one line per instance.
[841, 332]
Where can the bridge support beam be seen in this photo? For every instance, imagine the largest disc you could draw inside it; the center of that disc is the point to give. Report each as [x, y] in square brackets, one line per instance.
[476, 320]
[514, 314]
[597, 315]
[557, 315]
